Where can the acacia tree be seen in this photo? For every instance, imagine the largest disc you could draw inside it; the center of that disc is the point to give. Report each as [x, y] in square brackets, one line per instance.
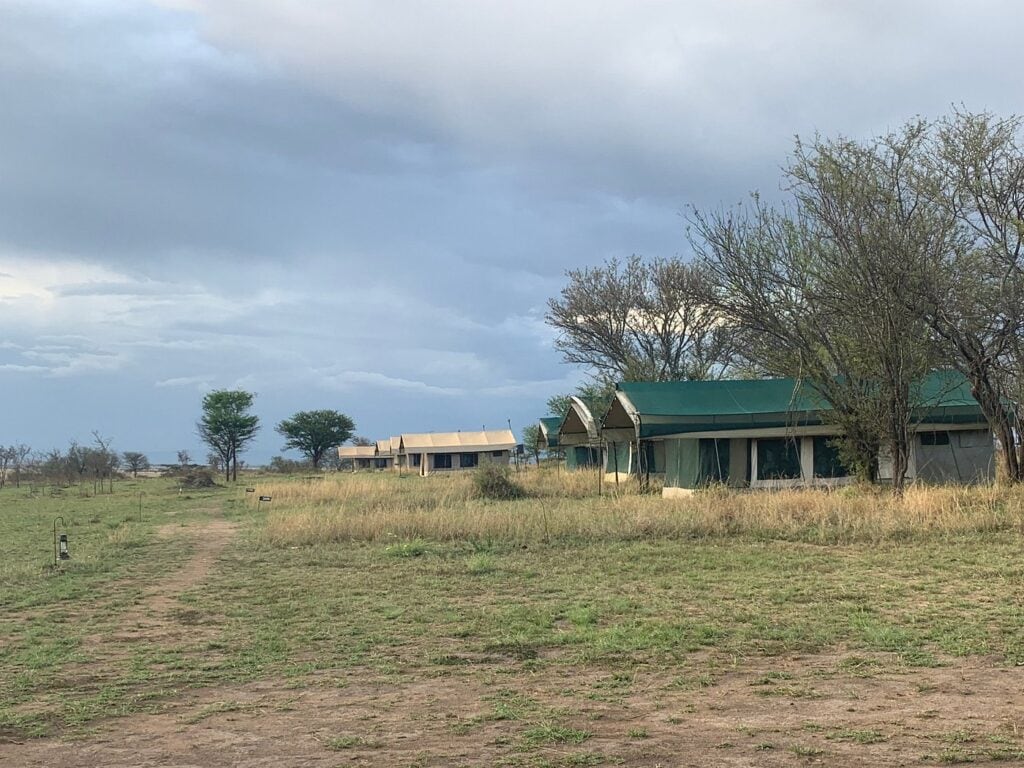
[822, 290]
[227, 426]
[641, 321]
[135, 462]
[533, 441]
[313, 433]
[973, 294]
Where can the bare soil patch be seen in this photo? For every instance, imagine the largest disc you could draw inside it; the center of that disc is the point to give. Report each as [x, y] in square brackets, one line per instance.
[760, 712]
[161, 616]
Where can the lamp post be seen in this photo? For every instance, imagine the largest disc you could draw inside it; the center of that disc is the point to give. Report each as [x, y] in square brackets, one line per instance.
[60, 544]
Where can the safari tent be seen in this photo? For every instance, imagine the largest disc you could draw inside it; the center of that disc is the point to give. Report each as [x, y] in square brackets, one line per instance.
[360, 456]
[579, 435]
[773, 433]
[427, 453]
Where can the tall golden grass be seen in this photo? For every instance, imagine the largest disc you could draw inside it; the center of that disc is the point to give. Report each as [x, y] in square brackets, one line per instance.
[565, 506]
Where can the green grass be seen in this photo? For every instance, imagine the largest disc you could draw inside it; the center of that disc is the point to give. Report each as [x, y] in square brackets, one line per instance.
[595, 610]
[52, 657]
[553, 734]
[339, 743]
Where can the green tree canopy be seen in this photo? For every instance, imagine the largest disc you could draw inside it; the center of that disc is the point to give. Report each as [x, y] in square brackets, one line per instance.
[313, 433]
[227, 426]
[135, 462]
[533, 441]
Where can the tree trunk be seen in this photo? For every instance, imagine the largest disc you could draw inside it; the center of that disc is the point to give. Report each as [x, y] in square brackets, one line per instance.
[900, 463]
[988, 395]
[899, 435]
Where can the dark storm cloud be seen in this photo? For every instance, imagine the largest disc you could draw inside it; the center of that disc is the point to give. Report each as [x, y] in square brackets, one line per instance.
[366, 205]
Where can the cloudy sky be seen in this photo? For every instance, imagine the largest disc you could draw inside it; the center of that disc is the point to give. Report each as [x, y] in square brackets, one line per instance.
[365, 204]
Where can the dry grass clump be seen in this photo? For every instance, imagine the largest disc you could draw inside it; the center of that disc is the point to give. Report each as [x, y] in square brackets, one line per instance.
[857, 513]
[495, 482]
[565, 506]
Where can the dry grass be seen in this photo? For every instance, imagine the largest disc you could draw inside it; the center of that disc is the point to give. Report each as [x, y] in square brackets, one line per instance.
[565, 506]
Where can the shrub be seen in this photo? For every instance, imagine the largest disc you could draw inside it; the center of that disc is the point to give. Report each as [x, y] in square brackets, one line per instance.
[200, 478]
[492, 481]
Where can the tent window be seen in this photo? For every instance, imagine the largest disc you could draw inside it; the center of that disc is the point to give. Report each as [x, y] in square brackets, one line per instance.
[714, 461]
[587, 457]
[469, 459]
[442, 461]
[826, 459]
[497, 454]
[778, 459]
[380, 463]
[935, 438]
[975, 439]
[414, 459]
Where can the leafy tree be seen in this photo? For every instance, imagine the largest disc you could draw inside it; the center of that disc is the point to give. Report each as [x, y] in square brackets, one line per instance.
[20, 454]
[642, 321]
[533, 441]
[227, 426]
[285, 466]
[822, 289]
[973, 293]
[214, 462]
[184, 460]
[558, 405]
[134, 462]
[6, 459]
[363, 441]
[102, 461]
[313, 433]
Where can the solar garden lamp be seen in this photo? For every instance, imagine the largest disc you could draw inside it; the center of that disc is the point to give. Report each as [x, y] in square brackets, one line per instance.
[60, 542]
[259, 503]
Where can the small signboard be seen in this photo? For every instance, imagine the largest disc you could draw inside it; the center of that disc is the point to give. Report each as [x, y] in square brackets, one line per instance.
[264, 498]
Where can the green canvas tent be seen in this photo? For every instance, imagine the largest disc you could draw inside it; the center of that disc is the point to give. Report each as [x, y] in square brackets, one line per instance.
[580, 436]
[549, 431]
[775, 432]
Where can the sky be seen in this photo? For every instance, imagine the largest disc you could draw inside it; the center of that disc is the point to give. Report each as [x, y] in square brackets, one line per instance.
[364, 205]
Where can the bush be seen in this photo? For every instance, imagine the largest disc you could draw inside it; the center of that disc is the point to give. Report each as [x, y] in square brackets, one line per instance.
[200, 478]
[492, 481]
[288, 466]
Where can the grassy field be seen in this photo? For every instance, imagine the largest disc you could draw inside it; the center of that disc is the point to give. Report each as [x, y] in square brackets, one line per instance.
[559, 629]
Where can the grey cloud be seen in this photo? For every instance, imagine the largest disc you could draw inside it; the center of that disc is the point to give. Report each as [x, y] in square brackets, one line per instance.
[365, 205]
[203, 382]
[148, 289]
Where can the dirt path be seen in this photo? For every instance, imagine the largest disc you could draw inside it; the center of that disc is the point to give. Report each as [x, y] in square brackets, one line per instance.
[766, 712]
[760, 711]
[160, 616]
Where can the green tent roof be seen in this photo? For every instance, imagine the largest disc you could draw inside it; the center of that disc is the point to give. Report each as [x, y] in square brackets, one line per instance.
[551, 425]
[694, 406]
